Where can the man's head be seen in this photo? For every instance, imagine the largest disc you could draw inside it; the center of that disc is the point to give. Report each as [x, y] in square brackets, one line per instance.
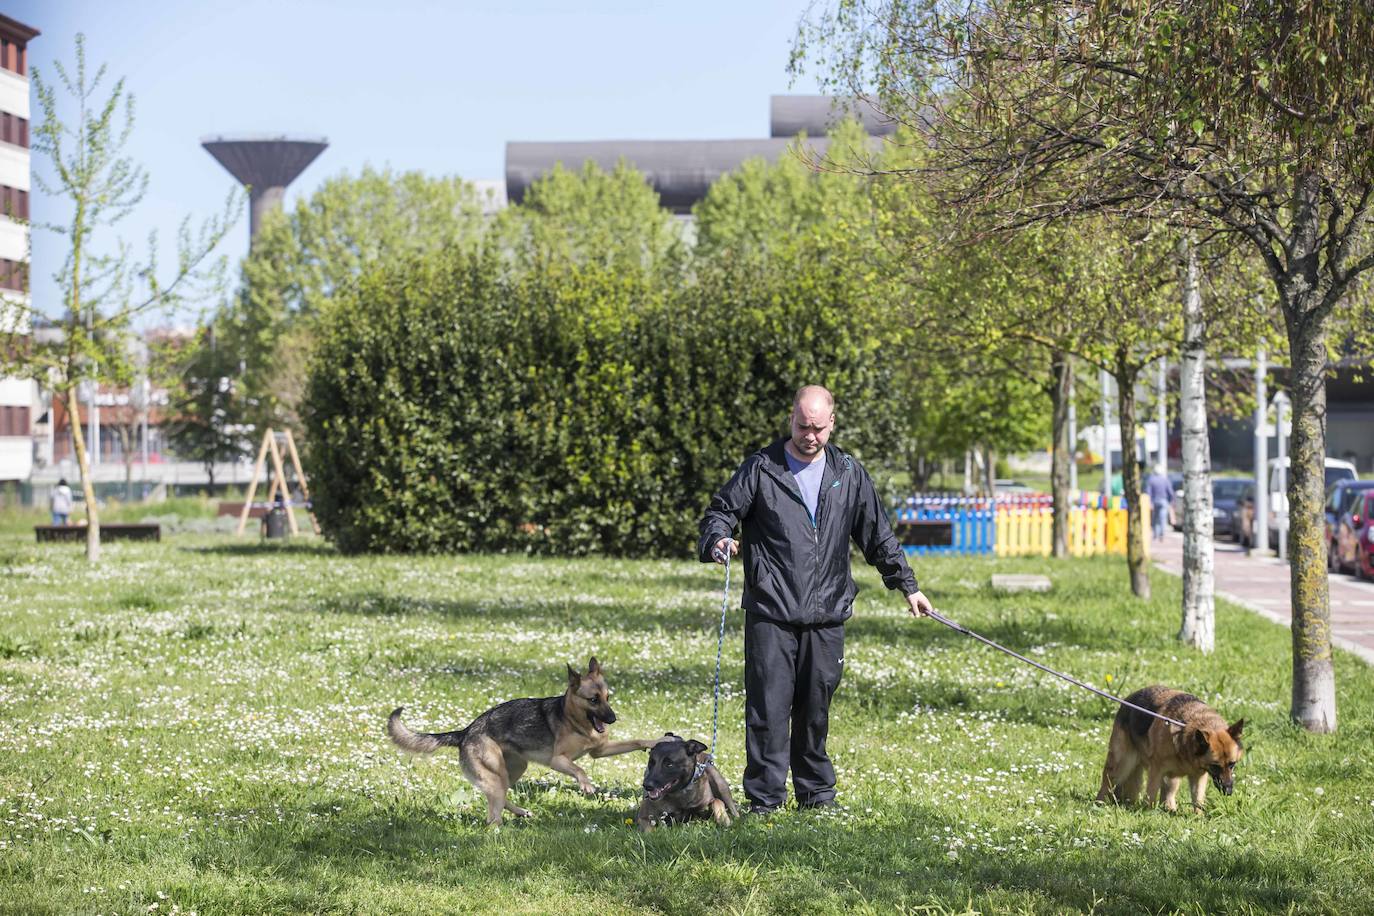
[813, 419]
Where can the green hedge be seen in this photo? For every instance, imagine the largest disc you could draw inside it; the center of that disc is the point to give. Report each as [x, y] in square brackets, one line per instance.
[452, 406]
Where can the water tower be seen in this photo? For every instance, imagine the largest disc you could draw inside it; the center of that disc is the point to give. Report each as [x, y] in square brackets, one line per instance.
[266, 165]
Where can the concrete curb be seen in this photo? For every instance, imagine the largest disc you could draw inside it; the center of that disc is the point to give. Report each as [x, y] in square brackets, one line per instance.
[1363, 653]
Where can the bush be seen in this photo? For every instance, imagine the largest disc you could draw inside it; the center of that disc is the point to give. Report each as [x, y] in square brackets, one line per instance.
[454, 406]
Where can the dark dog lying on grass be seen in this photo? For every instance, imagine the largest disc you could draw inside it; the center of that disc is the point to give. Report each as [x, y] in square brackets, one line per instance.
[680, 783]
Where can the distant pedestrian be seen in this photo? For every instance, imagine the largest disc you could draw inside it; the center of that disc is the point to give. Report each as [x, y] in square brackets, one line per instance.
[1160, 492]
[61, 502]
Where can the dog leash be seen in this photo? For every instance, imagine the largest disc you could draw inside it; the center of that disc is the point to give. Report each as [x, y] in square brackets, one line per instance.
[720, 645]
[959, 628]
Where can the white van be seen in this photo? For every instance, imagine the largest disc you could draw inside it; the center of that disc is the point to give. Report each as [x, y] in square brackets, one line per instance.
[1336, 469]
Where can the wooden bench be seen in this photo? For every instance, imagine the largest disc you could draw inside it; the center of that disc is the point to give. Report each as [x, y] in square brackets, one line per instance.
[925, 532]
[108, 532]
[235, 509]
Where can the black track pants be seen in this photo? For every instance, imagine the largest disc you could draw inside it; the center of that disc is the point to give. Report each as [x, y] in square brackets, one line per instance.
[790, 674]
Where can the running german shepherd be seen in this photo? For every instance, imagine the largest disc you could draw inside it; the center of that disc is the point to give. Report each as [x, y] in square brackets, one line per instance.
[554, 731]
[1207, 747]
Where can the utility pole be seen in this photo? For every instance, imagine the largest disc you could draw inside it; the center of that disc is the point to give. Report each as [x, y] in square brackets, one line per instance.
[1259, 536]
[1073, 435]
[1103, 379]
[1162, 416]
[1280, 415]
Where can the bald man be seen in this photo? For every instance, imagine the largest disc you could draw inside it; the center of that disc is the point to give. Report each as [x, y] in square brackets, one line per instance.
[800, 501]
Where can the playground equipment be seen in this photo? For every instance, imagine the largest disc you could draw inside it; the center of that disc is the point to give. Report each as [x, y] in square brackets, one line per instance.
[1013, 526]
[279, 482]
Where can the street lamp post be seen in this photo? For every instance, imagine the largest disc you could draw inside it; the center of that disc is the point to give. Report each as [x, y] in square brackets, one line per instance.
[1259, 534]
[1280, 416]
[1106, 437]
[1073, 435]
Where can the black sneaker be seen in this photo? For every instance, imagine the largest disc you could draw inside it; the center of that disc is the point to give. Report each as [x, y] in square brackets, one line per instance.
[761, 811]
[825, 804]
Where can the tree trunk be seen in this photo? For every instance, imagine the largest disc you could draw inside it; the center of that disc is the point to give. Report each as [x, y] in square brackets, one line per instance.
[1061, 392]
[990, 470]
[1314, 680]
[1130, 479]
[1199, 622]
[84, 467]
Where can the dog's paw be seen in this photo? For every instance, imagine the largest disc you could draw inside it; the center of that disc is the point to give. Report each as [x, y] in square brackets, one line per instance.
[586, 788]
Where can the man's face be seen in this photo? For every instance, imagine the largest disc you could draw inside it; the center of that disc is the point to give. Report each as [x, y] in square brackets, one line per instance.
[812, 421]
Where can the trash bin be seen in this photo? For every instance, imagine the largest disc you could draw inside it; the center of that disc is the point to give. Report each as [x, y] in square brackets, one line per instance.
[274, 523]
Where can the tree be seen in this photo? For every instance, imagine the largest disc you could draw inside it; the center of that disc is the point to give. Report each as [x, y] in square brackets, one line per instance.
[204, 406]
[103, 294]
[1249, 119]
[302, 259]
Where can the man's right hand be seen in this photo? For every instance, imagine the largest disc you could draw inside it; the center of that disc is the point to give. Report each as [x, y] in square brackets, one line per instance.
[718, 552]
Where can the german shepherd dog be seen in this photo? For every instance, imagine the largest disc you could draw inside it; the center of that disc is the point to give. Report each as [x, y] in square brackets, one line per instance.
[1206, 747]
[554, 731]
[680, 783]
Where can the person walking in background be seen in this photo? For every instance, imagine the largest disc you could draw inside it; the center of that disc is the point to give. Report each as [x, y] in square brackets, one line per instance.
[1160, 492]
[61, 502]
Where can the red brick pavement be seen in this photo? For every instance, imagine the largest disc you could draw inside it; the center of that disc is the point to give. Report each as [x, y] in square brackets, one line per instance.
[1260, 583]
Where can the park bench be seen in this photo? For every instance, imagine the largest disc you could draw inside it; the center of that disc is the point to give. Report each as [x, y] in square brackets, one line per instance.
[108, 532]
[235, 509]
[933, 532]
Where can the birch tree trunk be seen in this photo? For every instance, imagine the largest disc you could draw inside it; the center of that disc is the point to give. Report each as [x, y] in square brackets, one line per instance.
[1061, 391]
[84, 466]
[1199, 621]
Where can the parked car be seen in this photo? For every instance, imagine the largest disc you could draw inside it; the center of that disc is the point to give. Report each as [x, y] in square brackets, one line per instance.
[1336, 470]
[1354, 541]
[1176, 504]
[1340, 501]
[1006, 487]
[1228, 497]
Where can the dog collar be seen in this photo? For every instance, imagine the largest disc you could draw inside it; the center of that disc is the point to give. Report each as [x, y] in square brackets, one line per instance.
[696, 773]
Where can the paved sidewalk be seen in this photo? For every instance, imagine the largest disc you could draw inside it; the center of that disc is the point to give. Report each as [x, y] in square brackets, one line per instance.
[1260, 583]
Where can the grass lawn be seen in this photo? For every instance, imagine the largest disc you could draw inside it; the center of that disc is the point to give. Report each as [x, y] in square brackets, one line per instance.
[197, 725]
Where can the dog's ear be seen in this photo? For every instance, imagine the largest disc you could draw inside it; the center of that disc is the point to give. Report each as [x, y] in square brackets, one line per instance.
[694, 747]
[593, 667]
[574, 679]
[669, 735]
[1203, 745]
[1235, 730]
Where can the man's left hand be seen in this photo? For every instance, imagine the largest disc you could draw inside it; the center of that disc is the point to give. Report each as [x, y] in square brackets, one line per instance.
[919, 604]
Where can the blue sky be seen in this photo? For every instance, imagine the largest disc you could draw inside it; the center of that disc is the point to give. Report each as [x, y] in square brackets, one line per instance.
[438, 87]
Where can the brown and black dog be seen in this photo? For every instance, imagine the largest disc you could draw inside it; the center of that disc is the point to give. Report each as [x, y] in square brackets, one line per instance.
[680, 783]
[554, 731]
[1207, 746]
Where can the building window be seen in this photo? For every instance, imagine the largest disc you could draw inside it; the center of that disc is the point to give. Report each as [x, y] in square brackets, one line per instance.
[14, 275]
[14, 421]
[14, 57]
[14, 129]
[14, 202]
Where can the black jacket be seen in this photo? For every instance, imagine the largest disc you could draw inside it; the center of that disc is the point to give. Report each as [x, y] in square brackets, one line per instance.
[796, 572]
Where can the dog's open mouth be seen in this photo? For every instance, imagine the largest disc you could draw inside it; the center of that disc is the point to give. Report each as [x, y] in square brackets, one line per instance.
[598, 725]
[657, 793]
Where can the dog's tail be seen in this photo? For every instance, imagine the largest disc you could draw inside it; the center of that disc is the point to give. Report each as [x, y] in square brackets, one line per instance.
[420, 742]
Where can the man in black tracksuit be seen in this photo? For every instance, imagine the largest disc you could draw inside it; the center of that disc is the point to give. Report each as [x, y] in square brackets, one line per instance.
[800, 502]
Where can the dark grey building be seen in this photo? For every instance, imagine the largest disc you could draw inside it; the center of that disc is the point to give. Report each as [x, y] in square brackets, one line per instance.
[682, 171]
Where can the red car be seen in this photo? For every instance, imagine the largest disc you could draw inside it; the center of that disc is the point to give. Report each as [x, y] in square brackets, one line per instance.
[1354, 541]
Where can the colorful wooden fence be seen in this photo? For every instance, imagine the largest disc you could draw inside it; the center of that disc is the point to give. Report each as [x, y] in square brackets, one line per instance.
[1017, 526]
